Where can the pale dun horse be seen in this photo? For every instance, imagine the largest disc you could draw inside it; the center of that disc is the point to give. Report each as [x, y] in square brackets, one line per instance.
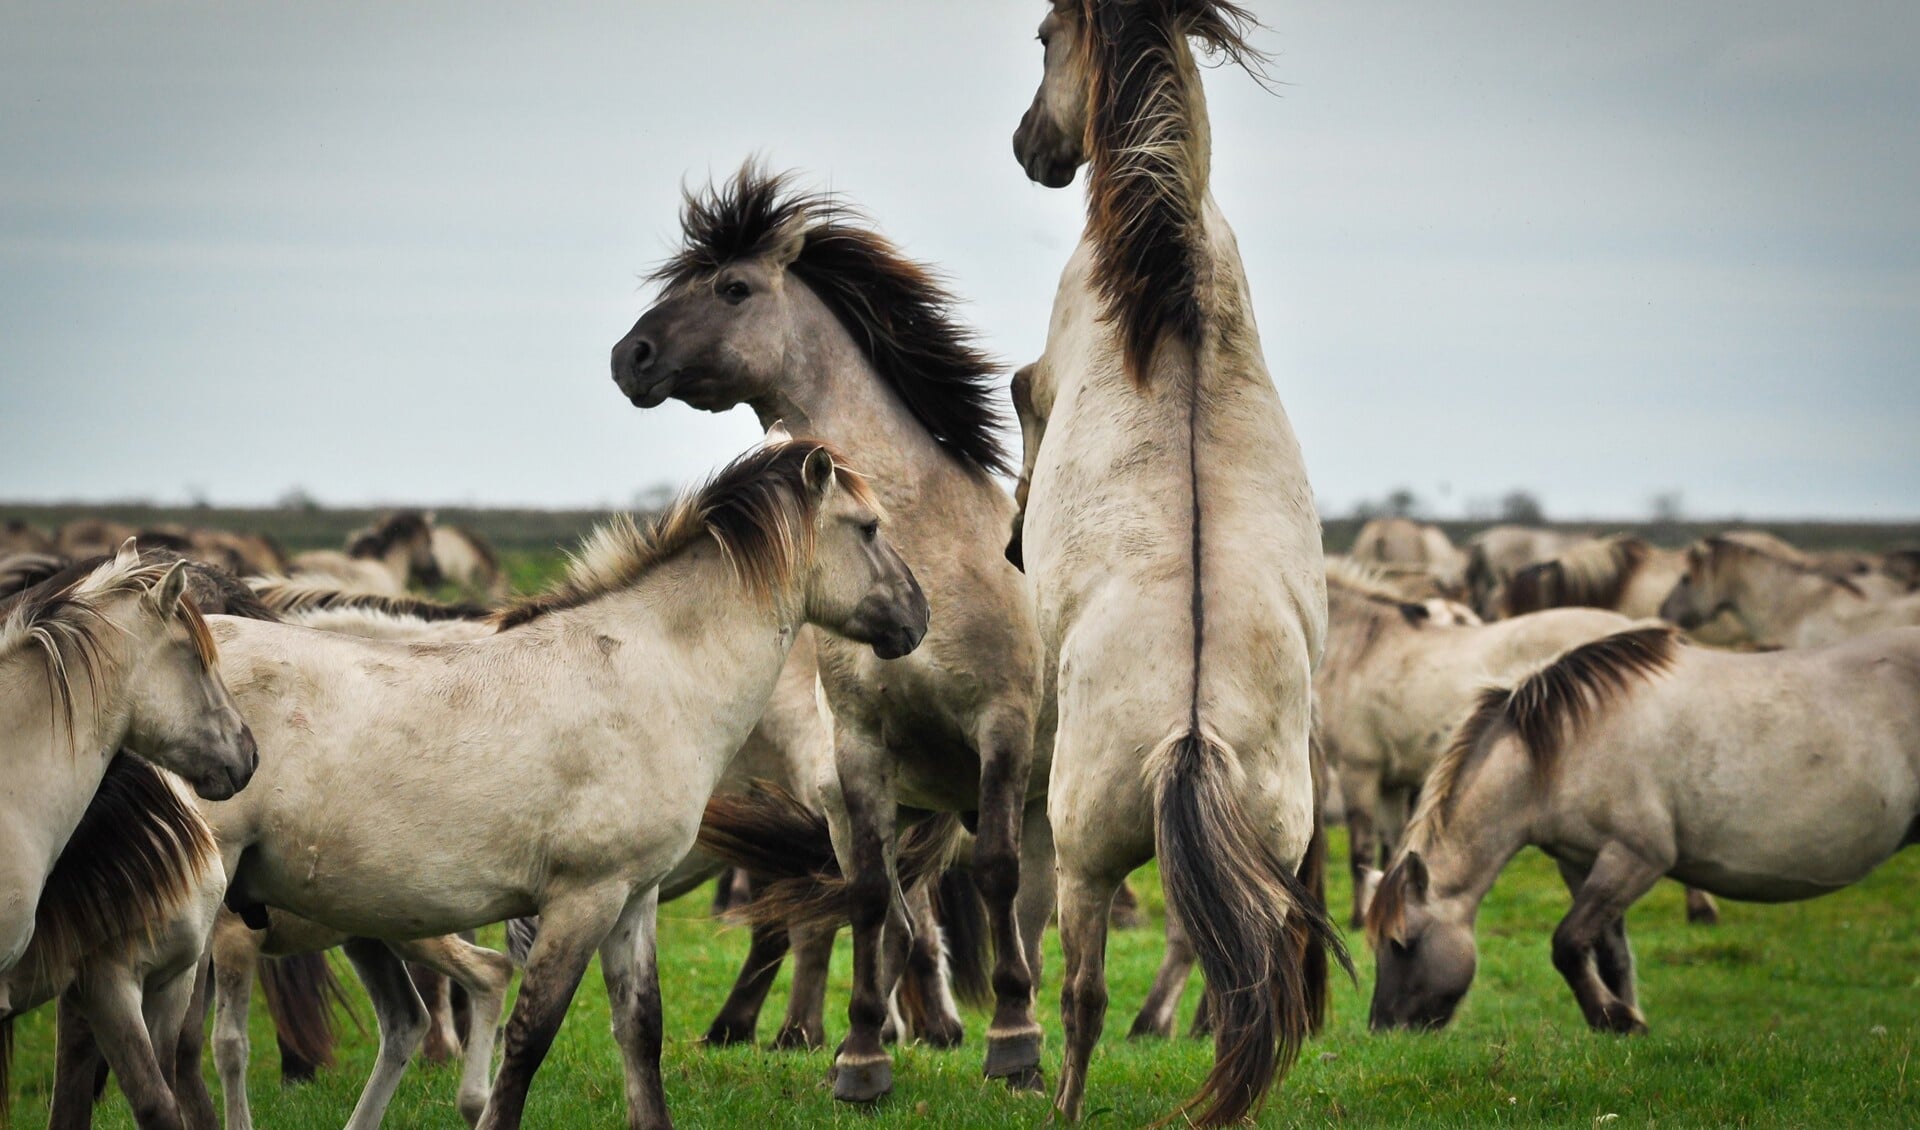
[1765, 777]
[789, 303]
[1173, 551]
[1780, 597]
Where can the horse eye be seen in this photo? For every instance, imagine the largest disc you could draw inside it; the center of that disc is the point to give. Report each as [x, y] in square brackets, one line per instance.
[735, 290]
[870, 531]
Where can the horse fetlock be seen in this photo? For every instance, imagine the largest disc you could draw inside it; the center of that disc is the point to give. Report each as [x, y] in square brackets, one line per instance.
[1013, 1053]
[1621, 1019]
[799, 1038]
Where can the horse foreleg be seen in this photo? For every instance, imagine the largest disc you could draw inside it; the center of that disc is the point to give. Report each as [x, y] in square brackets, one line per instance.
[1616, 881]
[1084, 904]
[926, 990]
[805, 1026]
[1013, 1038]
[1361, 784]
[189, 1085]
[1161, 1011]
[402, 1019]
[862, 1069]
[443, 1040]
[76, 1067]
[633, 991]
[236, 956]
[484, 974]
[1034, 904]
[1701, 909]
[571, 928]
[767, 947]
[111, 998]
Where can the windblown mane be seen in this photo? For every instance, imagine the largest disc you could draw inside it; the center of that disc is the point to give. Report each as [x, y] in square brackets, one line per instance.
[1549, 706]
[138, 852]
[757, 509]
[392, 529]
[291, 596]
[62, 617]
[1766, 547]
[1147, 173]
[897, 310]
[1590, 575]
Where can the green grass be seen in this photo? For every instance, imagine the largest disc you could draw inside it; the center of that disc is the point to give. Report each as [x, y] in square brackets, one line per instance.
[1798, 1015]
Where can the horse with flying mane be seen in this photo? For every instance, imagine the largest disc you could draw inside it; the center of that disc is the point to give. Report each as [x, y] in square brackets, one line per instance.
[1173, 552]
[1766, 777]
[791, 303]
[1779, 597]
[557, 767]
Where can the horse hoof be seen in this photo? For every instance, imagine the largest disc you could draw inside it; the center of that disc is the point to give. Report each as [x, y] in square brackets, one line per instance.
[862, 1081]
[1028, 1080]
[944, 1038]
[725, 1035]
[1149, 1028]
[798, 1040]
[1012, 1055]
[1703, 915]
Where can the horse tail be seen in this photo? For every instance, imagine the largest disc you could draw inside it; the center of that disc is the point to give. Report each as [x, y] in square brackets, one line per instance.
[301, 992]
[1254, 923]
[775, 838]
[963, 925]
[521, 933]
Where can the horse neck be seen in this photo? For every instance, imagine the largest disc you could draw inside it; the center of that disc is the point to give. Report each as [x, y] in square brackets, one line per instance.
[1491, 818]
[1772, 599]
[60, 768]
[830, 390]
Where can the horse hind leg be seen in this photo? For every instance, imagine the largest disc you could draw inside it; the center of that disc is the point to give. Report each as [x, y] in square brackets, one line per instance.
[484, 975]
[1160, 1012]
[925, 996]
[862, 1069]
[402, 1019]
[236, 955]
[739, 1017]
[1584, 948]
[627, 959]
[1701, 909]
[77, 1068]
[1085, 903]
[1014, 1036]
[443, 1040]
[113, 1002]
[805, 1025]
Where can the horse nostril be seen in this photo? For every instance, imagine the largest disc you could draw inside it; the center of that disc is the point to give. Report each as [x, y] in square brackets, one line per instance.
[643, 355]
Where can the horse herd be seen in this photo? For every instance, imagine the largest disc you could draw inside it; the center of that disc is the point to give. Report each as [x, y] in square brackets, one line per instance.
[853, 667]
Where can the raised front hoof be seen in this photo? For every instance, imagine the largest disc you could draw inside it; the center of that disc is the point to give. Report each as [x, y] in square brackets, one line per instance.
[1621, 1020]
[1013, 1055]
[726, 1034]
[863, 1080]
[799, 1040]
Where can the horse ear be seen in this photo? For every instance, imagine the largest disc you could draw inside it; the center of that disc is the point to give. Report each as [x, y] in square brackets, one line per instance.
[788, 242]
[165, 596]
[777, 434]
[128, 555]
[1416, 873]
[817, 472]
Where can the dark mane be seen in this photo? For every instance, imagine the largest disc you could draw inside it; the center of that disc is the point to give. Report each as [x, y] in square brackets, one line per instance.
[1549, 706]
[757, 508]
[137, 853]
[392, 529]
[1593, 575]
[897, 310]
[285, 597]
[1146, 176]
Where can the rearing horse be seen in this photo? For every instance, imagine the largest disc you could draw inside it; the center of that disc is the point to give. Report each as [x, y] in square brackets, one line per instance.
[786, 302]
[1174, 554]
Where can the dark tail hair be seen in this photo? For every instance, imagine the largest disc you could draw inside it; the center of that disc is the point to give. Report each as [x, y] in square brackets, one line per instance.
[1254, 923]
[521, 933]
[963, 922]
[774, 837]
[302, 992]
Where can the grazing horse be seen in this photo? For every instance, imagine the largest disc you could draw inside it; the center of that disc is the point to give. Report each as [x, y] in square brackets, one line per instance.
[119, 659]
[384, 558]
[1494, 555]
[558, 767]
[1781, 598]
[788, 303]
[1402, 543]
[1763, 777]
[1171, 544]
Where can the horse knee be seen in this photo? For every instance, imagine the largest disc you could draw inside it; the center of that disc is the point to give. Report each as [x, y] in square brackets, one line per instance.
[996, 876]
[1570, 951]
[868, 895]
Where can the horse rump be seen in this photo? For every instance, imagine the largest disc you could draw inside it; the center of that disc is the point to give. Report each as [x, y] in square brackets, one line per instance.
[1259, 929]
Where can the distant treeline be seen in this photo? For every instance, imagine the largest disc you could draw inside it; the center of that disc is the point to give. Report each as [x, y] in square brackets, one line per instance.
[299, 528]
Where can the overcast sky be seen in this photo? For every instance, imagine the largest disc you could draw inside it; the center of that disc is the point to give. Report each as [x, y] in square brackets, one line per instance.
[380, 251]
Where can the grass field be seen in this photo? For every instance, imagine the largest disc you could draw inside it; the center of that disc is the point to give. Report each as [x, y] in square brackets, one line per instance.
[1800, 1015]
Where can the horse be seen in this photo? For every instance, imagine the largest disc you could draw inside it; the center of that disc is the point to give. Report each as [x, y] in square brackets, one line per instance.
[1767, 777]
[1780, 600]
[1173, 552]
[90, 537]
[384, 558]
[1417, 546]
[117, 659]
[17, 536]
[557, 767]
[466, 560]
[118, 935]
[1495, 554]
[790, 303]
[1624, 573]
